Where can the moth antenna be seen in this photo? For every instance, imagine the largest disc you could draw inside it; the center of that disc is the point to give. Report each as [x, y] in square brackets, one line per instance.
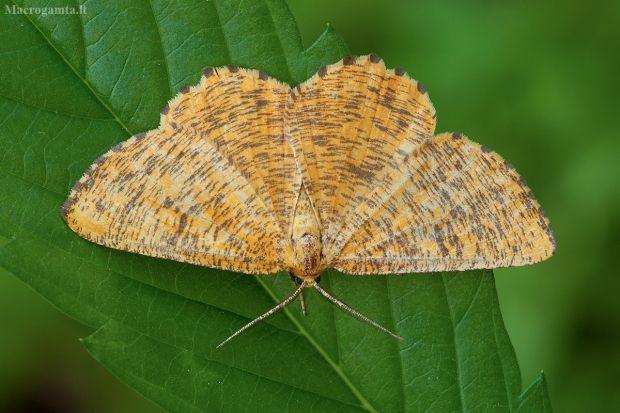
[348, 309]
[301, 296]
[278, 307]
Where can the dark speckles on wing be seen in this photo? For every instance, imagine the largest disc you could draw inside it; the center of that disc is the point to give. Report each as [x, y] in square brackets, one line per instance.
[354, 133]
[214, 185]
[350, 60]
[189, 192]
[208, 72]
[460, 208]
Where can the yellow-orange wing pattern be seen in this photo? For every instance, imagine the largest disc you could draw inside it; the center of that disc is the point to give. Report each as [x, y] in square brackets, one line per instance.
[218, 183]
[453, 205]
[215, 185]
[350, 125]
[392, 198]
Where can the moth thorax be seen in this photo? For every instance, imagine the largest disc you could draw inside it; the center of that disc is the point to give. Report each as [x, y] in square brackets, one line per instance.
[308, 253]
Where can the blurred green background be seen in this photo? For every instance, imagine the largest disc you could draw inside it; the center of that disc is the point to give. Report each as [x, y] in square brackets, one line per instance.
[538, 82]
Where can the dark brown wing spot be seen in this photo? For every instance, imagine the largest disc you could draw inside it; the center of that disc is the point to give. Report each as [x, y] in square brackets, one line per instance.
[208, 72]
[349, 60]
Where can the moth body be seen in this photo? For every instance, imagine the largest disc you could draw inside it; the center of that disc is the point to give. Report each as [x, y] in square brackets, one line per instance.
[307, 249]
[307, 262]
[343, 171]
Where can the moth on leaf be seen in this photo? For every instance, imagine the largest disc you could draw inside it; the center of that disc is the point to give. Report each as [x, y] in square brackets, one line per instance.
[343, 171]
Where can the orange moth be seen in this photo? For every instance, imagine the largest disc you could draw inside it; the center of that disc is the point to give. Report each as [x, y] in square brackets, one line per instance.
[343, 171]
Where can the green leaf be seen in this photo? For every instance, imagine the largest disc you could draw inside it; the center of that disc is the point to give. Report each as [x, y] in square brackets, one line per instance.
[71, 86]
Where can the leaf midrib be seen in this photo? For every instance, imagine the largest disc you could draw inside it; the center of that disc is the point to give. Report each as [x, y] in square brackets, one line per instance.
[75, 71]
[38, 237]
[365, 403]
[90, 87]
[302, 330]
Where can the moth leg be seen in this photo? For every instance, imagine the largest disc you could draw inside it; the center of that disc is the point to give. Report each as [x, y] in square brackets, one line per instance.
[301, 296]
